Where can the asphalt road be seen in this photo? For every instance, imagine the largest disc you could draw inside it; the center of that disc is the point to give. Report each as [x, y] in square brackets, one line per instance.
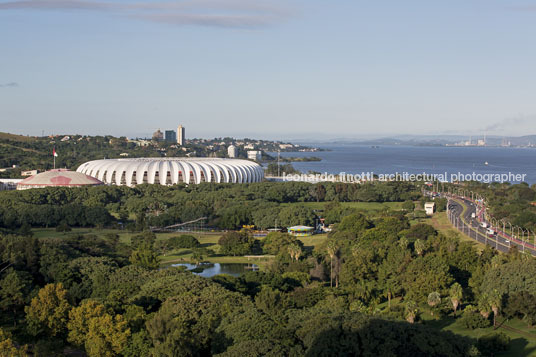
[460, 212]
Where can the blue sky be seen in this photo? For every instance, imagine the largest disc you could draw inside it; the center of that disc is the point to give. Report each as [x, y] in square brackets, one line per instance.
[268, 69]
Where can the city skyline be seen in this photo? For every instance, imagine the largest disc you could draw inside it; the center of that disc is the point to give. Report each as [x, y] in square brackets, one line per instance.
[274, 70]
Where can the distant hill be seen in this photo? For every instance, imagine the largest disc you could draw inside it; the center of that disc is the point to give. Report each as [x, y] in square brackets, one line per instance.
[15, 137]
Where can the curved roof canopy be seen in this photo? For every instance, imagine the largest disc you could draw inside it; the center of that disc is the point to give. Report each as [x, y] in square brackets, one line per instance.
[169, 171]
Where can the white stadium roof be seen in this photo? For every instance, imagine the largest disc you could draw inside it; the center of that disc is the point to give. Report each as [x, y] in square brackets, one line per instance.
[169, 171]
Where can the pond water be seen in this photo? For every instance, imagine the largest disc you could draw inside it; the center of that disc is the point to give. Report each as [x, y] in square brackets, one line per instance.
[208, 270]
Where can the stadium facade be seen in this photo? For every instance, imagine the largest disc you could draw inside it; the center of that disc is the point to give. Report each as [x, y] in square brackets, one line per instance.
[170, 171]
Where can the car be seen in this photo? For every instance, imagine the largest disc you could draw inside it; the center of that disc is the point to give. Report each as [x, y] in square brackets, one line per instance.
[507, 241]
[484, 224]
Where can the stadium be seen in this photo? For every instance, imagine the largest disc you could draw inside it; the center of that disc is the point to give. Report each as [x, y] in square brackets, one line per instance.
[170, 171]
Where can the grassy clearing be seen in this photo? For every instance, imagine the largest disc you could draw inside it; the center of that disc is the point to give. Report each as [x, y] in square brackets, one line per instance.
[441, 223]
[206, 239]
[311, 242]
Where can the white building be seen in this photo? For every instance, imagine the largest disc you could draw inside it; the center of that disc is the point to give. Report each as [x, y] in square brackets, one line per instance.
[181, 135]
[429, 207]
[170, 171]
[9, 184]
[232, 151]
[255, 155]
[29, 173]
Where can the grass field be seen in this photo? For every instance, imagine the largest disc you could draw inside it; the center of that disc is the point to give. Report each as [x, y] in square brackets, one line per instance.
[441, 223]
[207, 240]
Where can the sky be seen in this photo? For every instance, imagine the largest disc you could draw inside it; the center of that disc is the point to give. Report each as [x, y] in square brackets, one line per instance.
[278, 69]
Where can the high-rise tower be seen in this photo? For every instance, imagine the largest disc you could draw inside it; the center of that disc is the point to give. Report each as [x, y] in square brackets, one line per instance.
[181, 136]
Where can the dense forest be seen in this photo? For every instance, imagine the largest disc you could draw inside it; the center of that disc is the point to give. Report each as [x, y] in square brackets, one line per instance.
[380, 284]
[227, 206]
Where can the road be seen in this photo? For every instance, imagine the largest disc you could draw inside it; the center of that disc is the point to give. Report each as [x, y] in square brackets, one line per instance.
[460, 212]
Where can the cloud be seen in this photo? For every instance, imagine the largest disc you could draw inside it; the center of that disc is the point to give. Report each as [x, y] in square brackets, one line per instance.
[216, 13]
[9, 85]
[509, 123]
[52, 5]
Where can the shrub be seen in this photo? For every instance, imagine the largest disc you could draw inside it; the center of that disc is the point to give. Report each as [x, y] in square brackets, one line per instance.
[236, 243]
[183, 241]
[472, 319]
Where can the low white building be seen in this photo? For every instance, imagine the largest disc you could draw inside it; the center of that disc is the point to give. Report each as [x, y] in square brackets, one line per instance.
[9, 184]
[429, 208]
[255, 155]
[29, 173]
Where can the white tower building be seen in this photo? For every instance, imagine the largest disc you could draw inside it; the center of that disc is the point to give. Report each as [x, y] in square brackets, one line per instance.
[181, 136]
[231, 151]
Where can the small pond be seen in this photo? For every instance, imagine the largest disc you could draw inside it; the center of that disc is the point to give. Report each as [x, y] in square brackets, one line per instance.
[208, 270]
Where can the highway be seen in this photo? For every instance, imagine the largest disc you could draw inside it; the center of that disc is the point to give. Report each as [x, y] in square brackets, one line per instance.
[460, 212]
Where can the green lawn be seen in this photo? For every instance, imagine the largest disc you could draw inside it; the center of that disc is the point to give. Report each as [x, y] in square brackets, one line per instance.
[206, 239]
[441, 223]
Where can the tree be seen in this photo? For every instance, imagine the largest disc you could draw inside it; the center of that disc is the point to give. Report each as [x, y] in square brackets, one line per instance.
[355, 223]
[484, 305]
[236, 243]
[295, 251]
[145, 257]
[14, 289]
[521, 305]
[419, 247]
[277, 243]
[8, 348]
[49, 311]
[408, 206]
[107, 336]
[411, 311]
[434, 299]
[332, 249]
[456, 295]
[79, 318]
[495, 302]
[183, 241]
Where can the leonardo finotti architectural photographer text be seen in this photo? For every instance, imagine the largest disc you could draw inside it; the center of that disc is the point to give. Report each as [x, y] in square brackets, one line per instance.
[406, 176]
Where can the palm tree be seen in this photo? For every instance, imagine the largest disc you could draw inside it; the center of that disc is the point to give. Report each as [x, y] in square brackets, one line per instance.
[295, 251]
[434, 298]
[495, 302]
[484, 306]
[411, 311]
[388, 292]
[456, 294]
[419, 246]
[332, 250]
